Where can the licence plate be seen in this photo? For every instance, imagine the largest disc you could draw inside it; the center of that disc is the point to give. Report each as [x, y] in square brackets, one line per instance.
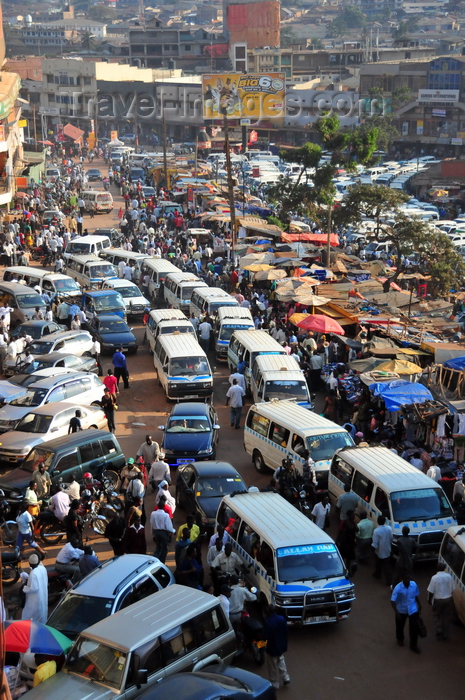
[125, 349]
[317, 618]
[190, 396]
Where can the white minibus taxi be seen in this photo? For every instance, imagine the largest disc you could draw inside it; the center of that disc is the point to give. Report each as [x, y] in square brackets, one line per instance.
[162, 321]
[385, 484]
[277, 377]
[53, 283]
[452, 554]
[209, 300]
[179, 287]
[277, 430]
[102, 201]
[89, 270]
[182, 367]
[293, 563]
[156, 269]
[87, 245]
[228, 320]
[247, 345]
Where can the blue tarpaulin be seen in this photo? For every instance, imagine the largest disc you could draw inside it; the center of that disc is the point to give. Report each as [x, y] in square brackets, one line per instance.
[398, 393]
[455, 363]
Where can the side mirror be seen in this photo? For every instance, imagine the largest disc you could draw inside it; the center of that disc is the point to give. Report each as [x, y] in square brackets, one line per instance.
[216, 427]
[53, 430]
[142, 677]
[161, 427]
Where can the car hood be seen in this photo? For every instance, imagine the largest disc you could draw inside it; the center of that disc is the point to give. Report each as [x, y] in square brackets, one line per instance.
[118, 338]
[187, 442]
[67, 685]
[17, 479]
[16, 439]
[9, 412]
[209, 505]
[9, 391]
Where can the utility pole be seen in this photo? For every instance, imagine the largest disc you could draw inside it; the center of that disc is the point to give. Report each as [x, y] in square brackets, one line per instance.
[232, 205]
[35, 125]
[96, 120]
[163, 136]
[328, 241]
[196, 154]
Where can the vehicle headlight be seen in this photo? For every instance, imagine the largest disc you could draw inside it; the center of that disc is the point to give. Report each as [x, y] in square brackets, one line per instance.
[340, 596]
[168, 452]
[15, 494]
[174, 386]
[203, 452]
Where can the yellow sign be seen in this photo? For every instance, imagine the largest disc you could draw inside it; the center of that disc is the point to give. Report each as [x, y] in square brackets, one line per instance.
[239, 95]
[22, 122]
[91, 140]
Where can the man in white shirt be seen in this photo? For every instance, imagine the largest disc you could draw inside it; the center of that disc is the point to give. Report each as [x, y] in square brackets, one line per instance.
[149, 450]
[234, 400]
[224, 598]
[240, 378]
[239, 596]
[382, 543]
[159, 471]
[205, 330]
[320, 511]
[67, 561]
[434, 472]
[440, 591]
[72, 489]
[59, 504]
[127, 272]
[162, 529]
[227, 561]
[121, 266]
[213, 551]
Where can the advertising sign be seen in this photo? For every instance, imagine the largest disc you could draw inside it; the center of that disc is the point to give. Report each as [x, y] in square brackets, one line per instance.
[426, 96]
[244, 95]
[113, 135]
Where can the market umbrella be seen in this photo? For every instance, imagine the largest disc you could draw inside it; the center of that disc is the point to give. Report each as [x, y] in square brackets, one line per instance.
[253, 258]
[321, 324]
[295, 318]
[258, 267]
[21, 195]
[400, 367]
[49, 143]
[309, 299]
[289, 263]
[293, 283]
[27, 635]
[272, 274]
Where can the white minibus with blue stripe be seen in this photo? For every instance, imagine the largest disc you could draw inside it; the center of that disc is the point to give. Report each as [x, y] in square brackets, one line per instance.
[228, 320]
[452, 554]
[182, 367]
[277, 377]
[293, 563]
[277, 430]
[385, 484]
[248, 345]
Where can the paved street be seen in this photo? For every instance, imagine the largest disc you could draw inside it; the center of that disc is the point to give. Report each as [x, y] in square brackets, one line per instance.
[355, 659]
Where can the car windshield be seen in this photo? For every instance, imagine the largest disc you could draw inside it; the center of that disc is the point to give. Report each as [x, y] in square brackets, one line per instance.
[129, 292]
[77, 612]
[227, 331]
[108, 301]
[98, 662]
[323, 447]
[35, 365]
[285, 389]
[189, 424]
[103, 271]
[34, 397]
[41, 347]
[35, 456]
[113, 327]
[66, 285]
[213, 486]
[309, 563]
[34, 423]
[189, 366]
[26, 301]
[420, 504]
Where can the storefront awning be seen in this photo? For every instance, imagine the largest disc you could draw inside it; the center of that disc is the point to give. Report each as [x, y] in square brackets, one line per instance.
[73, 132]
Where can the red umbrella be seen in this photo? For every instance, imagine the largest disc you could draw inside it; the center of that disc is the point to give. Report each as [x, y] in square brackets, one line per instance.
[321, 324]
[46, 143]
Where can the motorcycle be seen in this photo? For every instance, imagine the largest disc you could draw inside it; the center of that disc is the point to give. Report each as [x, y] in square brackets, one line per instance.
[90, 511]
[251, 637]
[11, 566]
[51, 530]
[58, 584]
[8, 528]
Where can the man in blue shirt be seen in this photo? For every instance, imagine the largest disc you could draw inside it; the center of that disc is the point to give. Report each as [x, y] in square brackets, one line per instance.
[275, 633]
[121, 369]
[406, 603]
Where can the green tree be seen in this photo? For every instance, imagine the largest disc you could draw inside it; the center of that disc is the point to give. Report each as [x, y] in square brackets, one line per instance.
[316, 44]
[102, 13]
[88, 41]
[350, 18]
[288, 37]
[373, 202]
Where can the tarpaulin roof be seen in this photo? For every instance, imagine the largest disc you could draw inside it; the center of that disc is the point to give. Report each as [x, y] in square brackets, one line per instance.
[316, 238]
[457, 363]
[398, 393]
[73, 132]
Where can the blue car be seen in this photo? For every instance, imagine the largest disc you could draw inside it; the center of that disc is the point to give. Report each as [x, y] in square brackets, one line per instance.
[113, 333]
[191, 433]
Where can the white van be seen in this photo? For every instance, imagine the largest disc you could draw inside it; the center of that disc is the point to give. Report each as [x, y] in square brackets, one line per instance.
[385, 484]
[87, 245]
[157, 269]
[52, 174]
[292, 562]
[179, 287]
[134, 301]
[278, 377]
[280, 429]
[182, 367]
[89, 270]
[135, 260]
[452, 554]
[228, 320]
[102, 201]
[247, 345]
[209, 299]
[53, 283]
[166, 321]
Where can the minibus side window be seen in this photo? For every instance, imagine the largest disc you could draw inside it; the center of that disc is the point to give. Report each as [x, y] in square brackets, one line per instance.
[362, 486]
[258, 423]
[248, 539]
[453, 555]
[298, 444]
[265, 557]
[381, 502]
[341, 470]
[279, 435]
[228, 519]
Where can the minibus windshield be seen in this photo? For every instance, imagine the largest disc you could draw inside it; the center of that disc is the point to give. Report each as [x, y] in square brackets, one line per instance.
[285, 389]
[186, 292]
[215, 305]
[98, 662]
[227, 331]
[419, 504]
[177, 329]
[189, 366]
[309, 563]
[324, 446]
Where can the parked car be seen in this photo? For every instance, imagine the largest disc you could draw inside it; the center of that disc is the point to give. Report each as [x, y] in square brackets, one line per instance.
[82, 387]
[58, 359]
[94, 174]
[113, 234]
[52, 214]
[113, 586]
[46, 423]
[113, 333]
[134, 301]
[200, 487]
[69, 342]
[25, 380]
[148, 192]
[37, 329]
[190, 433]
[215, 682]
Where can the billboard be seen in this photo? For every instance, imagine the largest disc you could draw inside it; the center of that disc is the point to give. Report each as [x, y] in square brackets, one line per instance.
[426, 96]
[244, 95]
